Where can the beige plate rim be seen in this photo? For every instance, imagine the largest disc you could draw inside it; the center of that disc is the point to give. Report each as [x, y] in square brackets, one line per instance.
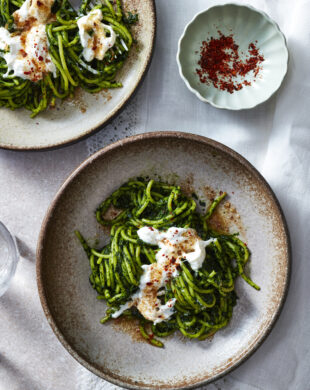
[113, 147]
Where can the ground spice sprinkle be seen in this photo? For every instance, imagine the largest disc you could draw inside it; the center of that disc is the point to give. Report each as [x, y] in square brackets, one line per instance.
[221, 65]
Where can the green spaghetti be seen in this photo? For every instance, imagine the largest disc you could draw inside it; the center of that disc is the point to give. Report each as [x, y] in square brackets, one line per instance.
[65, 50]
[203, 297]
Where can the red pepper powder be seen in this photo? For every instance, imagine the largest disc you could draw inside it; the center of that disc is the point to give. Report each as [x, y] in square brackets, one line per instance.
[221, 65]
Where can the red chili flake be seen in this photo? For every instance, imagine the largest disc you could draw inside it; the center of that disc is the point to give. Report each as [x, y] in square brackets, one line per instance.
[151, 228]
[221, 65]
[23, 53]
[27, 72]
[149, 284]
[40, 58]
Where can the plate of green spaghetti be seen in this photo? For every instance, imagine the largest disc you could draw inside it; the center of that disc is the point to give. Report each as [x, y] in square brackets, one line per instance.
[184, 253]
[64, 71]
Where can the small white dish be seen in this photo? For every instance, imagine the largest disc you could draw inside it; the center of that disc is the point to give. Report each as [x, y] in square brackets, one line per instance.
[247, 25]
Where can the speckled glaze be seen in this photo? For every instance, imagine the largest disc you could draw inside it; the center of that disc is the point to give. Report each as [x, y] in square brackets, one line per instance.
[77, 118]
[247, 24]
[70, 303]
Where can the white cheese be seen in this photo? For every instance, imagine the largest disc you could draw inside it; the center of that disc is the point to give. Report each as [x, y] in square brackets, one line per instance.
[124, 307]
[175, 240]
[40, 10]
[124, 45]
[176, 245]
[27, 54]
[4, 38]
[95, 45]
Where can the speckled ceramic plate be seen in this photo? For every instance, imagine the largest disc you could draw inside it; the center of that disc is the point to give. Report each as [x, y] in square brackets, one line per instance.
[112, 351]
[79, 117]
[248, 25]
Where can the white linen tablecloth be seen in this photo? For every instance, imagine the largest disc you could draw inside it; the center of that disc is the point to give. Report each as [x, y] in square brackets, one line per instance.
[273, 137]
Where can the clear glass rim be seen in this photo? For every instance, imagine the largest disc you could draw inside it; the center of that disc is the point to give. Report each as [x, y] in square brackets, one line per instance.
[13, 251]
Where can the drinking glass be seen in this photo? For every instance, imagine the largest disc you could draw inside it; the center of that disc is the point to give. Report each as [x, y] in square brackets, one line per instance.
[8, 258]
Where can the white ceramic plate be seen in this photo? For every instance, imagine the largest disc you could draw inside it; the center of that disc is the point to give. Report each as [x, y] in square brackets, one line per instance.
[76, 119]
[69, 302]
[247, 25]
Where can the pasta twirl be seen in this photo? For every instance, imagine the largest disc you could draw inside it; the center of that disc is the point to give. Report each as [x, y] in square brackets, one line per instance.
[203, 297]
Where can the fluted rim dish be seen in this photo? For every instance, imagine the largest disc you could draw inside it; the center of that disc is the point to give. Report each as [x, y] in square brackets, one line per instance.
[196, 91]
